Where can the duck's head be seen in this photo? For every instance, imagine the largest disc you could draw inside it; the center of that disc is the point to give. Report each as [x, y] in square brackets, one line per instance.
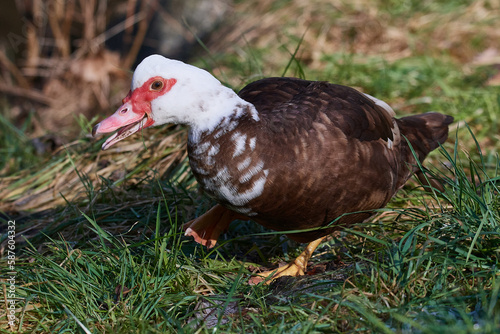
[166, 91]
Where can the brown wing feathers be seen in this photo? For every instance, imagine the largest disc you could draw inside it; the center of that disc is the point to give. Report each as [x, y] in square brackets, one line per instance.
[352, 112]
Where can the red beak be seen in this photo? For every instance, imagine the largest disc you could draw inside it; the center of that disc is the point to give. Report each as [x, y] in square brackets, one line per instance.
[126, 121]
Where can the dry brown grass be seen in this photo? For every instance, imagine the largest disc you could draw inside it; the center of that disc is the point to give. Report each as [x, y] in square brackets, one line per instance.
[360, 27]
[40, 189]
[65, 69]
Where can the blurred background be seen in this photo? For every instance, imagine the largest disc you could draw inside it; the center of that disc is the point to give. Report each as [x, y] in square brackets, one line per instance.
[65, 64]
[63, 58]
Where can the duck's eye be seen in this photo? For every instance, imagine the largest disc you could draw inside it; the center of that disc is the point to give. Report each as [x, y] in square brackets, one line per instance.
[157, 85]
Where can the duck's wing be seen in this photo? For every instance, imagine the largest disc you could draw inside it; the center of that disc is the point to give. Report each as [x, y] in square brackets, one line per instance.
[286, 103]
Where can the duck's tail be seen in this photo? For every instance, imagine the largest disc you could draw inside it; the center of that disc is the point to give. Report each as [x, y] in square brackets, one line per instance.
[424, 133]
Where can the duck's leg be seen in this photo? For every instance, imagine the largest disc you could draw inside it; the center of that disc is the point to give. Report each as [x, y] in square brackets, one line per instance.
[206, 228]
[296, 268]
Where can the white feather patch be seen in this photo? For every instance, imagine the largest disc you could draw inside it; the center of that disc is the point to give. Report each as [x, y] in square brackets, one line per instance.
[214, 149]
[202, 148]
[382, 104]
[244, 164]
[391, 113]
[239, 143]
[389, 143]
[254, 114]
[254, 170]
[222, 186]
[252, 142]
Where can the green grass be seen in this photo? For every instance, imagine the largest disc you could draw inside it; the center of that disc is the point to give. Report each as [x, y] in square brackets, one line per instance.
[423, 269]
[111, 257]
[16, 152]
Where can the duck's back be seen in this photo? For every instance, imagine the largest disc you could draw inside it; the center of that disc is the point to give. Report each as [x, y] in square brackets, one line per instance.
[292, 102]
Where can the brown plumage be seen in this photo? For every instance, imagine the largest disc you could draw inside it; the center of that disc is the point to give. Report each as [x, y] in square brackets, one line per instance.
[327, 148]
[290, 154]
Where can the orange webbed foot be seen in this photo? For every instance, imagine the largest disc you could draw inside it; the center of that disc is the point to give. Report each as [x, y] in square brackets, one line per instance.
[207, 228]
[296, 268]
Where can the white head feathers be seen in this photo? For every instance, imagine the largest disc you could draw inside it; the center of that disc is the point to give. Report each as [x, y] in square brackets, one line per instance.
[197, 98]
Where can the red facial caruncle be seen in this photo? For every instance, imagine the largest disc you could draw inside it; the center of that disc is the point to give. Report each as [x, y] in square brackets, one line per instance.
[135, 113]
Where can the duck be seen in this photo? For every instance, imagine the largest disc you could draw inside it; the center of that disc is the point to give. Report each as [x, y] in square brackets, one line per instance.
[301, 157]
